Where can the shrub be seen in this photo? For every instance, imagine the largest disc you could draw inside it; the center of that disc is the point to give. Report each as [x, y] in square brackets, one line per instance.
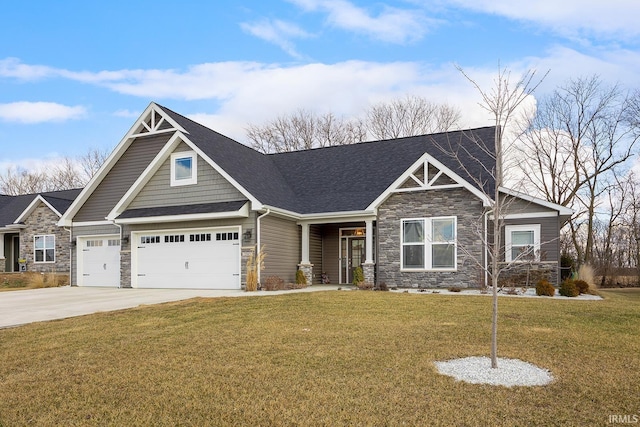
[585, 272]
[455, 289]
[383, 286]
[568, 288]
[255, 263]
[544, 288]
[301, 279]
[358, 276]
[273, 283]
[582, 286]
[36, 280]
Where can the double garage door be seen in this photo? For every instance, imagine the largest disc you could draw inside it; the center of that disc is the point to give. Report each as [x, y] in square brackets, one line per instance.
[191, 259]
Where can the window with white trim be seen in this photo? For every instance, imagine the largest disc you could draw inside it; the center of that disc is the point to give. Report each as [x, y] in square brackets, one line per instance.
[44, 248]
[522, 242]
[429, 243]
[184, 168]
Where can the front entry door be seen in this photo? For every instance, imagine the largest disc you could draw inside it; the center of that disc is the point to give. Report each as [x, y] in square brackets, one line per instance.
[15, 253]
[352, 256]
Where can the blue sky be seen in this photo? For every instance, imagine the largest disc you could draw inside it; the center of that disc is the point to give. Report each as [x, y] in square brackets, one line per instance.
[76, 74]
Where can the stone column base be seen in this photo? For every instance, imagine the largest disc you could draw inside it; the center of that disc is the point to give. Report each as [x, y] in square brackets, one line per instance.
[307, 270]
[369, 271]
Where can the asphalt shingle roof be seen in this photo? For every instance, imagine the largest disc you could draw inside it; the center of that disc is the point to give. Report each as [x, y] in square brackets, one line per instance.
[12, 206]
[341, 178]
[183, 209]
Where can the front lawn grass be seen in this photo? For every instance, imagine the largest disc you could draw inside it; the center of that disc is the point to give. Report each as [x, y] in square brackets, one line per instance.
[327, 358]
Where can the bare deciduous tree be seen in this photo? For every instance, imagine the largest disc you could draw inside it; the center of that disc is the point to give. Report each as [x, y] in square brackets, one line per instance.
[66, 174]
[303, 130]
[502, 102]
[579, 135]
[410, 116]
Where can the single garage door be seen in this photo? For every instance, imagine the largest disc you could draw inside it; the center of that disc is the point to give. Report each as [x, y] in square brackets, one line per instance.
[190, 259]
[99, 261]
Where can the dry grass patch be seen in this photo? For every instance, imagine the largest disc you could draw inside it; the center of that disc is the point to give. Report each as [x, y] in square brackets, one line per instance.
[332, 358]
[31, 280]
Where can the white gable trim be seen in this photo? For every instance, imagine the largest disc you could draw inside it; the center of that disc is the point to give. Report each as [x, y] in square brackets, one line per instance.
[562, 210]
[395, 186]
[67, 218]
[158, 161]
[33, 205]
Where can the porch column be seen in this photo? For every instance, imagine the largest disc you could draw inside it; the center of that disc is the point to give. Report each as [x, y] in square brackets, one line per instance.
[1, 245]
[305, 244]
[368, 267]
[305, 264]
[369, 241]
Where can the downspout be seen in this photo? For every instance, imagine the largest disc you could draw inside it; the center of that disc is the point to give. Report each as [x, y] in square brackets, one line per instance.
[258, 237]
[71, 257]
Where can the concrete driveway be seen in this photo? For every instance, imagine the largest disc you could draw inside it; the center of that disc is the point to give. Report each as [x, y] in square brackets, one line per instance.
[37, 305]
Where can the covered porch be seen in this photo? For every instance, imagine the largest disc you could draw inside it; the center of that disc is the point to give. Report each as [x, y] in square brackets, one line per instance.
[332, 251]
[9, 251]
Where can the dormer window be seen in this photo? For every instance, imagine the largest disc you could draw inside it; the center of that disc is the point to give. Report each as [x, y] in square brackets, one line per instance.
[184, 168]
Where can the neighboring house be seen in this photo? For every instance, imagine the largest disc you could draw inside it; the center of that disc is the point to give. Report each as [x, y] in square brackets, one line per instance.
[179, 205]
[30, 239]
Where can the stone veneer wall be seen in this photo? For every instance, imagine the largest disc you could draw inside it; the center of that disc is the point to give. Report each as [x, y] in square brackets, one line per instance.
[42, 221]
[424, 204]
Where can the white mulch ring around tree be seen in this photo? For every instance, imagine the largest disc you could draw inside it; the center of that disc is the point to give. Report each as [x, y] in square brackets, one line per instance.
[526, 293]
[509, 373]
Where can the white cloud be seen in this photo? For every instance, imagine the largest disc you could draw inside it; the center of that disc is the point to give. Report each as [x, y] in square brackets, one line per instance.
[277, 32]
[38, 112]
[390, 25]
[611, 18]
[127, 113]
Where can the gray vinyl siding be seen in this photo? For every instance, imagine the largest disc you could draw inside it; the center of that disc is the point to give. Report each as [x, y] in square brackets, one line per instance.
[281, 241]
[211, 187]
[93, 230]
[315, 252]
[519, 206]
[331, 252]
[121, 176]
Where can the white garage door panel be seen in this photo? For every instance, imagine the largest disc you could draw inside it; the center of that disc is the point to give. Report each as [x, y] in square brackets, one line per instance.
[99, 261]
[194, 259]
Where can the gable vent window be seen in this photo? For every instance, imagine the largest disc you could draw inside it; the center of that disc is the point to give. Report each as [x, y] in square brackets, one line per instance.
[227, 236]
[184, 168]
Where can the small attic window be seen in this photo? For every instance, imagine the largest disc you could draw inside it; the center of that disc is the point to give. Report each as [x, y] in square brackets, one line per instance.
[184, 168]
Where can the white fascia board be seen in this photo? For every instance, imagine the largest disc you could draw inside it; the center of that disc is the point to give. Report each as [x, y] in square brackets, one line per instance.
[335, 217]
[91, 223]
[15, 227]
[527, 215]
[32, 206]
[430, 159]
[67, 218]
[241, 213]
[562, 210]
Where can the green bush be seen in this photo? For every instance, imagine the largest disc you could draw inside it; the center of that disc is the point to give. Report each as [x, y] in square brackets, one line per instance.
[358, 276]
[583, 287]
[544, 288]
[301, 279]
[568, 288]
